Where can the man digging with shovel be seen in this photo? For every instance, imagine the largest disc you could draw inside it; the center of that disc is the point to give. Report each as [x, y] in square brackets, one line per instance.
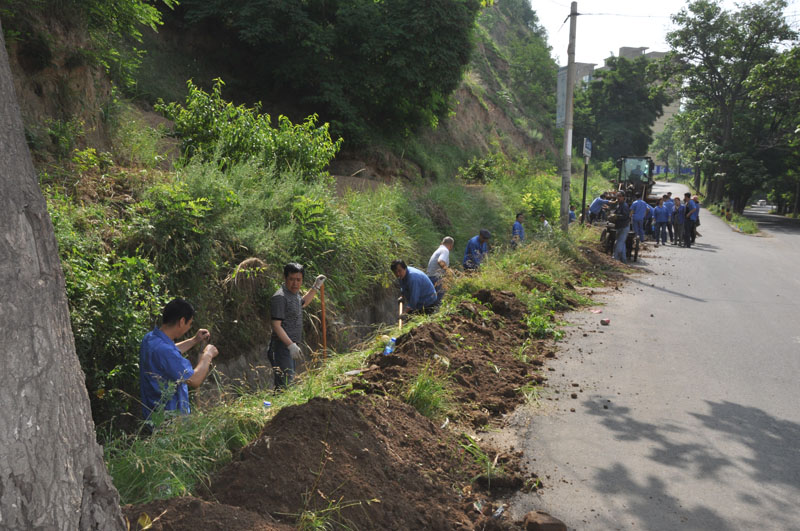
[419, 295]
[286, 308]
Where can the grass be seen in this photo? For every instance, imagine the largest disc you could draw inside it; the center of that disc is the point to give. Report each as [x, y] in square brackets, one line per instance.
[737, 221]
[428, 393]
[489, 468]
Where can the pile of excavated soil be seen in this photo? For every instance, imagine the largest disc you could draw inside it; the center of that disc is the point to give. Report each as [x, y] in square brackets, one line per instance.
[477, 350]
[180, 514]
[367, 462]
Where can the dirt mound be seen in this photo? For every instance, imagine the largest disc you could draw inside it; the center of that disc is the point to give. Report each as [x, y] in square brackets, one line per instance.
[179, 514]
[369, 462]
[480, 351]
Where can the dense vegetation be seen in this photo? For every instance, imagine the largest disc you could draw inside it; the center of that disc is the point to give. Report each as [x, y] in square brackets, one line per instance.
[364, 66]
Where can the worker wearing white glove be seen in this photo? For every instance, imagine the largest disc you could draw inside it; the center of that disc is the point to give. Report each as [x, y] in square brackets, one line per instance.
[286, 308]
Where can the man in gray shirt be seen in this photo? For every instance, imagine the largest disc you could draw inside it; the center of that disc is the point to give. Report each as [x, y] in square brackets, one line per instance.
[438, 265]
[286, 309]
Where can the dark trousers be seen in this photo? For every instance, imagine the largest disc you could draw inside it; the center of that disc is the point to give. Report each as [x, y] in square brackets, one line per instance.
[669, 229]
[688, 233]
[661, 231]
[678, 233]
[439, 286]
[282, 364]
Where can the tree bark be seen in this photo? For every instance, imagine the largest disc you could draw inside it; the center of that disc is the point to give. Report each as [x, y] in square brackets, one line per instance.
[52, 474]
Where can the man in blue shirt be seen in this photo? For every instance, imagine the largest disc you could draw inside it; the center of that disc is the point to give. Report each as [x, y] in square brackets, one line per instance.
[572, 215]
[669, 204]
[596, 207]
[164, 373]
[477, 248]
[660, 216]
[418, 291]
[518, 231]
[639, 210]
[691, 217]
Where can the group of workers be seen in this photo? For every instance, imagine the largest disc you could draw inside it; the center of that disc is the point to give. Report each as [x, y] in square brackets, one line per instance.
[165, 374]
[671, 219]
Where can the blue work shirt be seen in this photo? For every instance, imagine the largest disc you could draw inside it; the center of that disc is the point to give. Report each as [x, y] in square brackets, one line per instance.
[474, 253]
[418, 290]
[693, 206]
[162, 364]
[597, 205]
[661, 214]
[679, 216]
[669, 204]
[518, 230]
[572, 216]
[639, 210]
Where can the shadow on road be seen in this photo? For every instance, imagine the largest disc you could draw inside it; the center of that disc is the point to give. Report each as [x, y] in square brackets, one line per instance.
[665, 290]
[772, 458]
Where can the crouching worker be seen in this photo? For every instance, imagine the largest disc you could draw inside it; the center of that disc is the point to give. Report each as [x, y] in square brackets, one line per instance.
[418, 291]
[286, 308]
[164, 374]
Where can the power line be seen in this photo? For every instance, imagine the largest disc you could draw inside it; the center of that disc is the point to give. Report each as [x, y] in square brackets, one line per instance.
[625, 15]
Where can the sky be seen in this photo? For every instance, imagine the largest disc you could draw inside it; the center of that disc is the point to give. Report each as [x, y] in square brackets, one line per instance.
[605, 26]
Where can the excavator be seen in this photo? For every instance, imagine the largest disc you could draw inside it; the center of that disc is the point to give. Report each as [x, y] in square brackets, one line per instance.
[635, 178]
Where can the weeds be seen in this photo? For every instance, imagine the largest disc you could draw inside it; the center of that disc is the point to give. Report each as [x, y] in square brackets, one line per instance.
[531, 393]
[428, 393]
[489, 467]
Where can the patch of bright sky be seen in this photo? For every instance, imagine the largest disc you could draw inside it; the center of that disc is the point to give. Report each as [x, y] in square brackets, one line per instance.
[605, 26]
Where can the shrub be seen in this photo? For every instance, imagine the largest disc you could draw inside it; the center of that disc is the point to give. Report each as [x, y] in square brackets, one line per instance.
[216, 130]
[113, 302]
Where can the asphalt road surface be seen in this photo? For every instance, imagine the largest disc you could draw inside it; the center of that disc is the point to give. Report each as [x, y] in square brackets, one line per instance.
[687, 408]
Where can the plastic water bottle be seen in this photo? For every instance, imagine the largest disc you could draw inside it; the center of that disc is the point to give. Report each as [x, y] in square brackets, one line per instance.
[267, 404]
[389, 346]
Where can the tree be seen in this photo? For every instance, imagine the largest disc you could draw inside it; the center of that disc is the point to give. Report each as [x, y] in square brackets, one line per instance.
[365, 66]
[666, 146]
[52, 474]
[713, 53]
[617, 110]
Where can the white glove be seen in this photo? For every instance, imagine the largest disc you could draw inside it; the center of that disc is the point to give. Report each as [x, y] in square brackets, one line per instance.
[295, 352]
[318, 282]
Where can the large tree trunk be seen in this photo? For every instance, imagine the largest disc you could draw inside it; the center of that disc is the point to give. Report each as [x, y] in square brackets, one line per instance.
[52, 474]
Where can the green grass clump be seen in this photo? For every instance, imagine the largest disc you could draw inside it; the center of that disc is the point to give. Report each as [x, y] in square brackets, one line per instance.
[428, 393]
[737, 221]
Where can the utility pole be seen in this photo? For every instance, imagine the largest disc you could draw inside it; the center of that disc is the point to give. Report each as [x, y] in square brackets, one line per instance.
[566, 173]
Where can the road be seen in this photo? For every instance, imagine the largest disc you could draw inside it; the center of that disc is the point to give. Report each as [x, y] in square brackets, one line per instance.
[686, 414]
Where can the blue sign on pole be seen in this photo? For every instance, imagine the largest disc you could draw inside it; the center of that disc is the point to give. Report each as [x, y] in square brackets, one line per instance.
[587, 148]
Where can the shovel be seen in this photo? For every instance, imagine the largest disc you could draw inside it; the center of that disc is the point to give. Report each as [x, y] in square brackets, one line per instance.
[324, 330]
[400, 315]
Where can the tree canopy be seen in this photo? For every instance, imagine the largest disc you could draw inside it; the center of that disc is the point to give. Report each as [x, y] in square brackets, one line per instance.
[364, 65]
[618, 108]
[731, 74]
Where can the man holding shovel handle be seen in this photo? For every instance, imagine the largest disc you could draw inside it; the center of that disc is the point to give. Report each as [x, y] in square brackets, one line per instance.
[286, 308]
